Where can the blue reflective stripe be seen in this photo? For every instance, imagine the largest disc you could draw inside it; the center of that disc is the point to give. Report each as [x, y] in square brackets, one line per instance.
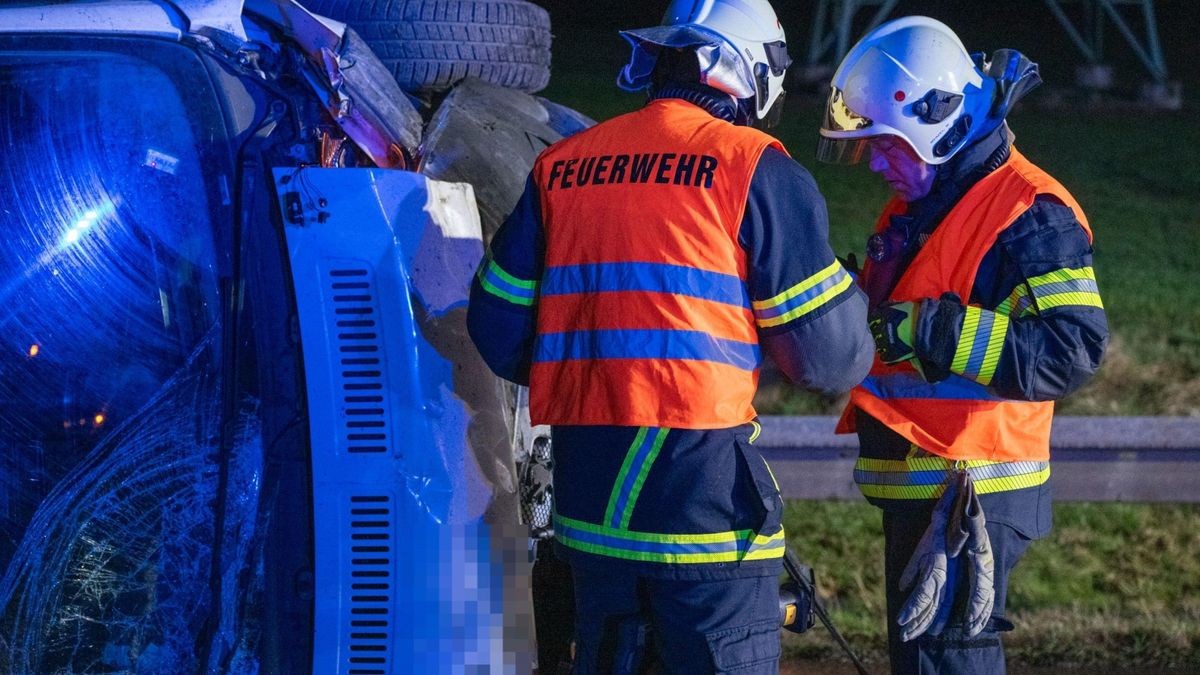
[925, 477]
[1071, 286]
[646, 344]
[910, 385]
[979, 346]
[1023, 303]
[499, 282]
[647, 277]
[503, 285]
[676, 548]
[635, 469]
[934, 477]
[802, 298]
[772, 544]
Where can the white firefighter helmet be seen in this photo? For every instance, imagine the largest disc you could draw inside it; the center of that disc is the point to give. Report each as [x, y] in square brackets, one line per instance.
[740, 44]
[909, 78]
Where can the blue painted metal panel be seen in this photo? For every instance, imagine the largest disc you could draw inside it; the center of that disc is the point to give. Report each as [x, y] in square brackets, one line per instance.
[411, 576]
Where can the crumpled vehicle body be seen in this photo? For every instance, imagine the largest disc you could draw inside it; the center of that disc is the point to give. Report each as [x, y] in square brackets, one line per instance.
[220, 451]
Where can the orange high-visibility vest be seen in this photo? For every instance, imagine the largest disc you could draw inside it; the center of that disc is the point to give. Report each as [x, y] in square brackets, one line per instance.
[643, 316]
[957, 417]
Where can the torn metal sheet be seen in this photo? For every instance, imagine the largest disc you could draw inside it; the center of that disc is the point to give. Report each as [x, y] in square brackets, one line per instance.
[356, 87]
[369, 105]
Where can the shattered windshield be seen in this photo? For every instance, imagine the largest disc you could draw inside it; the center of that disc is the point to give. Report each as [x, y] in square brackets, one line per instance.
[113, 200]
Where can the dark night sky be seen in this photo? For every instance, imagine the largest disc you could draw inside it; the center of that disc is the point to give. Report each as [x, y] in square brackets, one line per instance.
[1026, 25]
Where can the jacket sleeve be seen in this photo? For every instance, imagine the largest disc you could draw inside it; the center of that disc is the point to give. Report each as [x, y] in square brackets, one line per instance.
[811, 316]
[503, 305]
[1035, 329]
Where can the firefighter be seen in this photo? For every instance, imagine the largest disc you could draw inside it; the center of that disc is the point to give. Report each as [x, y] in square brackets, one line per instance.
[651, 261]
[985, 310]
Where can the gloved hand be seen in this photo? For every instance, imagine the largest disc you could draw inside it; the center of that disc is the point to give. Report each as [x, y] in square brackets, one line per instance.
[850, 262]
[980, 565]
[894, 328]
[926, 571]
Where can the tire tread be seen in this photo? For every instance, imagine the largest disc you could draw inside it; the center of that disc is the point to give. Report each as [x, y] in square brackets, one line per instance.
[432, 44]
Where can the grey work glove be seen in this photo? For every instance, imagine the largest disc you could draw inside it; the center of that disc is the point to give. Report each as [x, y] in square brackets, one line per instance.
[981, 567]
[926, 571]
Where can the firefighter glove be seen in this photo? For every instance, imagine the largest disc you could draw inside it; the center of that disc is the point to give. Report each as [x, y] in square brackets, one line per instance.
[926, 572]
[894, 329]
[980, 565]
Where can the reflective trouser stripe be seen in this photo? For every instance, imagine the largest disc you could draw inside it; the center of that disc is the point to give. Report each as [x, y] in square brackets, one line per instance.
[926, 477]
[757, 430]
[638, 460]
[733, 546]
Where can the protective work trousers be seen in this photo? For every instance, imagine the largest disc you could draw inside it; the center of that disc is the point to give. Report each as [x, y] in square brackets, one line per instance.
[628, 623]
[675, 542]
[950, 652]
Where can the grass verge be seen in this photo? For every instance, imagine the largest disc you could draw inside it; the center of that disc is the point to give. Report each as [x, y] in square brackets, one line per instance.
[1113, 585]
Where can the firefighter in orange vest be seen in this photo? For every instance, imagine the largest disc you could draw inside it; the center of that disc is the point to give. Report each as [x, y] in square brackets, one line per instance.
[650, 263]
[984, 308]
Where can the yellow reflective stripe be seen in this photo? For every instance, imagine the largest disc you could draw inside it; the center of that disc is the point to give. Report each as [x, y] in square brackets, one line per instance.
[799, 288]
[966, 340]
[980, 344]
[660, 437]
[1064, 274]
[623, 474]
[925, 477]
[809, 306]
[654, 537]
[986, 486]
[995, 346]
[766, 548]
[730, 546]
[915, 464]
[901, 491]
[804, 297]
[757, 430]
[1006, 483]
[1066, 287]
[771, 474]
[1019, 304]
[1064, 299]
[495, 280]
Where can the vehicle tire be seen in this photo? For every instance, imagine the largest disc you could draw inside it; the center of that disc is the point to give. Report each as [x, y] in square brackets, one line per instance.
[429, 45]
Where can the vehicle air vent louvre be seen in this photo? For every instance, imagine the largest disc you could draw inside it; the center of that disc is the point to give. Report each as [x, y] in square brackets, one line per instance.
[360, 365]
[370, 556]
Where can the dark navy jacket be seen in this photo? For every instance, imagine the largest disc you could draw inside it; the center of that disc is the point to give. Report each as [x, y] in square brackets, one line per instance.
[691, 481]
[1046, 355]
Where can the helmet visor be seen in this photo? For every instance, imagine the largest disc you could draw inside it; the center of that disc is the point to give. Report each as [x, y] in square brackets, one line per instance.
[841, 150]
[841, 119]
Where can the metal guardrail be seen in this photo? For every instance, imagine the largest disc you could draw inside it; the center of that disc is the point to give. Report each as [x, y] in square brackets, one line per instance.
[1126, 459]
